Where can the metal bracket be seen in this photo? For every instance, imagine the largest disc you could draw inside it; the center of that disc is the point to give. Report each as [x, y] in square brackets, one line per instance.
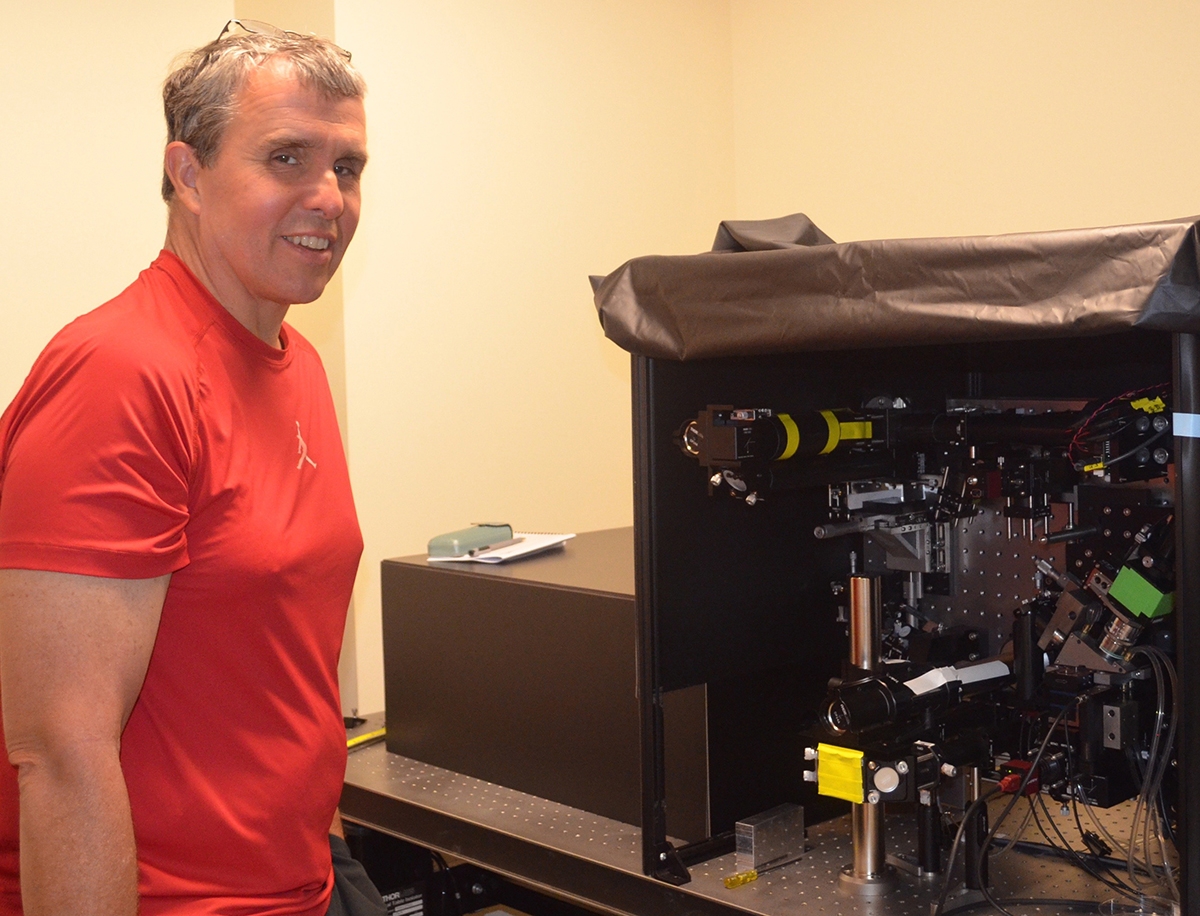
[671, 869]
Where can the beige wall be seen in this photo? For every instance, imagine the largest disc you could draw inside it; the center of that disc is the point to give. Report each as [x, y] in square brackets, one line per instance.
[516, 148]
[945, 117]
[519, 146]
[82, 156]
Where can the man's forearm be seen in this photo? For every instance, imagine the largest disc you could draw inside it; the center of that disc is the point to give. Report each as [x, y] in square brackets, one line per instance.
[73, 657]
[77, 848]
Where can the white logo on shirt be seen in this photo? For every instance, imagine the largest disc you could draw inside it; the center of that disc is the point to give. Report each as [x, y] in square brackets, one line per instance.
[302, 449]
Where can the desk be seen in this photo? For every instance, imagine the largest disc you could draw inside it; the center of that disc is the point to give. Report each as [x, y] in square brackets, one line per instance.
[596, 862]
[459, 640]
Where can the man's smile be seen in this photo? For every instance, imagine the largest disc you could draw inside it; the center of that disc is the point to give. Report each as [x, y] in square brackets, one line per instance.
[308, 241]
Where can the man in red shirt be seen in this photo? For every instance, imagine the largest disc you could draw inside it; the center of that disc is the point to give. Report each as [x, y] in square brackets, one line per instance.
[178, 539]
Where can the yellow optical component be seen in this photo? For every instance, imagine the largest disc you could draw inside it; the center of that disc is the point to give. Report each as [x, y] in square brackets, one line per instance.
[839, 773]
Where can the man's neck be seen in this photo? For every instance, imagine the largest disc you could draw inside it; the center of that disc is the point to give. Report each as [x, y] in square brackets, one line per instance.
[262, 319]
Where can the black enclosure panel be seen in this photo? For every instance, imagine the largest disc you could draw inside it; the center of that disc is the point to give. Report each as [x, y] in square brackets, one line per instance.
[740, 597]
[739, 589]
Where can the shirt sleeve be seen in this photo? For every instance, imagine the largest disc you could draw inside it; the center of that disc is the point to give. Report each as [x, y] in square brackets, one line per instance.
[95, 456]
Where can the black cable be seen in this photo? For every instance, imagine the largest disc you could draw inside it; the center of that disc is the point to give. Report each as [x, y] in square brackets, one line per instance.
[1108, 863]
[1119, 886]
[1128, 395]
[1081, 861]
[1103, 432]
[1137, 448]
[983, 799]
[1032, 848]
[1115, 883]
[1083, 906]
[1065, 851]
[1020, 791]
[967, 815]
[449, 882]
[1050, 844]
[1152, 793]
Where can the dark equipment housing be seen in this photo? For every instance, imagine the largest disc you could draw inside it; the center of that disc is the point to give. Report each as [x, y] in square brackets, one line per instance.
[957, 532]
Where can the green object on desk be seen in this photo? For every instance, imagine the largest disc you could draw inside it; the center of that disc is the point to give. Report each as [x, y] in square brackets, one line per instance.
[469, 540]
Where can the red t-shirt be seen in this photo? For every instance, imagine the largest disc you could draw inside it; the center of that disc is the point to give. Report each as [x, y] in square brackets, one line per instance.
[157, 435]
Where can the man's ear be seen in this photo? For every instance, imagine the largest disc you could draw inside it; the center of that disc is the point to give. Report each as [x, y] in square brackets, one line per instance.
[182, 168]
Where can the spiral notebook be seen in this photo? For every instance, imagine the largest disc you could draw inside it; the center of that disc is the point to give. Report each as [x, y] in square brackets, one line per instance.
[526, 544]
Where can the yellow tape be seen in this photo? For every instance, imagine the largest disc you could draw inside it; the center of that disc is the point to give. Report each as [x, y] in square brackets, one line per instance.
[839, 773]
[1149, 405]
[856, 429]
[793, 436]
[835, 431]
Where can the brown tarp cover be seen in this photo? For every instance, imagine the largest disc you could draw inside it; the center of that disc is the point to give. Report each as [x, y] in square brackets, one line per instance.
[783, 286]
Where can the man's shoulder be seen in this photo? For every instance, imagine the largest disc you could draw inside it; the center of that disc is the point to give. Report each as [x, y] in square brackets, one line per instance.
[147, 330]
[165, 300]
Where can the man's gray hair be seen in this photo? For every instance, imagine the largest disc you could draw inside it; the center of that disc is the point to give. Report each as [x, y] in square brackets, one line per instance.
[200, 96]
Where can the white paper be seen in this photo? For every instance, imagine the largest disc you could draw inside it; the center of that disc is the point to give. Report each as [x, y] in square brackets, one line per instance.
[939, 677]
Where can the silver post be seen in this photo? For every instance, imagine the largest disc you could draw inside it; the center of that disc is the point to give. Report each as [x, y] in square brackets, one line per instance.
[865, 617]
[869, 874]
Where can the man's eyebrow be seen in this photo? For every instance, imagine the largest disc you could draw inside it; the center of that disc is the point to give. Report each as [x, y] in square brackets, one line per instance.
[289, 141]
[292, 141]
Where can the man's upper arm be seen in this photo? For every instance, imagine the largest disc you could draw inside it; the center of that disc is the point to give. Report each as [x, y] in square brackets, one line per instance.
[73, 654]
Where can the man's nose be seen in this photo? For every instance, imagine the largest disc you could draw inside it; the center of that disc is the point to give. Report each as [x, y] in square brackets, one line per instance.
[326, 195]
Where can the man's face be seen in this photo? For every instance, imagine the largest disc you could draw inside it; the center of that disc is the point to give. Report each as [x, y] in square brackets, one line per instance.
[280, 203]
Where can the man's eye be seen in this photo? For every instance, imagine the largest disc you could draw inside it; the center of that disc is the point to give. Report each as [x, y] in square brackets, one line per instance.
[285, 159]
[346, 171]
